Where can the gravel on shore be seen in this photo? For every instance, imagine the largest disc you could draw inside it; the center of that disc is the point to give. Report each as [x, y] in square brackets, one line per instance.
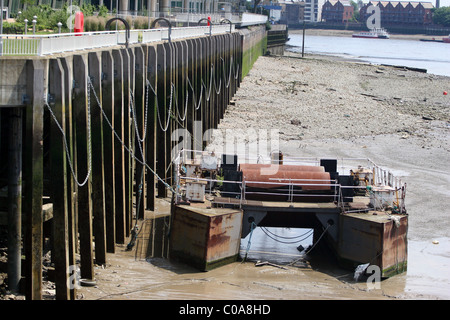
[327, 107]
[323, 97]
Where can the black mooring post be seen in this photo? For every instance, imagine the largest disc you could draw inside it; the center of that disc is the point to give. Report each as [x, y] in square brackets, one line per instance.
[14, 198]
[303, 40]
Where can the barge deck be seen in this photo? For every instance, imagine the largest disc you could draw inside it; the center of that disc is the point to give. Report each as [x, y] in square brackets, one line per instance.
[365, 226]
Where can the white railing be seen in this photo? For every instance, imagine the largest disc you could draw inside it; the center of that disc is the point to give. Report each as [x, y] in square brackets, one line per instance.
[378, 177]
[40, 45]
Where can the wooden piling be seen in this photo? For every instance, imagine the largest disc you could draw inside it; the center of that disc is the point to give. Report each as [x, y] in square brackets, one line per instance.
[71, 185]
[59, 195]
[82, 116]
[162, 114]
[15, 199]
[155, 79]
[119, 146]
[152, 125]
[139, 112]
[98, 186]
[33, 176]
[128, 62]
[107, 85]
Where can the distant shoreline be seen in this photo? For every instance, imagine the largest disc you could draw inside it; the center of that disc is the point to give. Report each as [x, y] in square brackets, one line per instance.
[348, 33]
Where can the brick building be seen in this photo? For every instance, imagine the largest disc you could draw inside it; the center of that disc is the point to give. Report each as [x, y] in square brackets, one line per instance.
[400, 12]
[337, 11]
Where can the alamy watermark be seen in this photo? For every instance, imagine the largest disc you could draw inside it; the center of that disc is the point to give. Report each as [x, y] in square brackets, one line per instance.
[374, 21]
[73, 279]
[373, 274]
[250, 144]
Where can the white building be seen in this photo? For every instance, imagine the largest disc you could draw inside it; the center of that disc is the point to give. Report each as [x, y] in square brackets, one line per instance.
[311, 10]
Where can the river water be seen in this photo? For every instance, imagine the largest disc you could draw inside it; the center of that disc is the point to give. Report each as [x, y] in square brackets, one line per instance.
[433, 56]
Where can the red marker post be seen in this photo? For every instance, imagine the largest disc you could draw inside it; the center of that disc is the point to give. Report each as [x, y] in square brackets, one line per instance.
[79, 22]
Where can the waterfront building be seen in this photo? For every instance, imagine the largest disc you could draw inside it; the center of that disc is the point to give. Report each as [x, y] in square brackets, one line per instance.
[133, 6]
[292, 12]
[311, 10]
[337, 11]
[400, 12]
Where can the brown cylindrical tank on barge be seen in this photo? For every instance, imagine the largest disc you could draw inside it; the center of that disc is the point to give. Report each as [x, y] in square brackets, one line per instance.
[287, 182]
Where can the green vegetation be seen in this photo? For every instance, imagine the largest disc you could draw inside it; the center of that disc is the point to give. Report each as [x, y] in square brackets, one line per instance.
[441, 16]
[356, 7]
[252, 54]
[47, 18]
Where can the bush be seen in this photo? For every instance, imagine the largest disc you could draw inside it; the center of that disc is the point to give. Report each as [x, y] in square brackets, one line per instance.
[12, 28]
[442, 16]
[94, 23]
[141, 23]
[48, 18]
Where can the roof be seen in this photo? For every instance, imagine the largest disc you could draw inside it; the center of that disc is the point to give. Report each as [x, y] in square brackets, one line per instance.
[404, 4]
[343, 2]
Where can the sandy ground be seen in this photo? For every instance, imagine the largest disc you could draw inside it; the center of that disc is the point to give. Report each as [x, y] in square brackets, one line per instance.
[323, 107]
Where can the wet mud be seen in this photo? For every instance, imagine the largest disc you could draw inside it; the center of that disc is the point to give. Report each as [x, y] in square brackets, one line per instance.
[402, 126]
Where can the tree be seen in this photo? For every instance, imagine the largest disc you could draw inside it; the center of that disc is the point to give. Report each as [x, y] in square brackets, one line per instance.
[355, 5]
[255, 5]
[441, 16]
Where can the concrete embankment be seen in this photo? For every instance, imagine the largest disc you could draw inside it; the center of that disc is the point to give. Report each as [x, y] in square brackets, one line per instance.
[99, 133]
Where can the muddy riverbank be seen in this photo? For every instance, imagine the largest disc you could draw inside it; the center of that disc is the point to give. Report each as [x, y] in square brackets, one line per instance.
[321, 107]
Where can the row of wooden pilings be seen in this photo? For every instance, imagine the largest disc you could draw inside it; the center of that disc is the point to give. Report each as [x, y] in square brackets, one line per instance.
[98, 134]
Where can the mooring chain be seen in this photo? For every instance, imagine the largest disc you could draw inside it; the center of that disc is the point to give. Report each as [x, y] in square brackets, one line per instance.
[66, 145]
[139, 141]
[298, 239]
[210, 84]
[186, 104]
[197, 106]
[215, 85]
[112, 128]
[145, 114]
[227, 83]
[128, 149]
[163, 128]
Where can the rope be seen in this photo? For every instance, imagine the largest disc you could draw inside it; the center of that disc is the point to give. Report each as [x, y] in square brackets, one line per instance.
[145, 113]
[69, 160]
[227, 84]
[140, 139]
[252, 227]
[273, 236]
[318, 240]
[186, 104]
[194, 98]
[129, 150]
[66, 147]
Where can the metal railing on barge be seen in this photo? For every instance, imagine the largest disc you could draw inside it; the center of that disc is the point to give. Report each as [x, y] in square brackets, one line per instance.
[380, 178]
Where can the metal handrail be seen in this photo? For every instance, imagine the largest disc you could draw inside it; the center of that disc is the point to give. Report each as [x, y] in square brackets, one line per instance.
[40, 45]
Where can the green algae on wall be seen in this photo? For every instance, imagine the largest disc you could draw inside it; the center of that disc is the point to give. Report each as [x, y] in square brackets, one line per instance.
[254, 45]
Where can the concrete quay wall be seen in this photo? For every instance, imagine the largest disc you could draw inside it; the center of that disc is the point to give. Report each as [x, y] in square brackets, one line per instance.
[99, 129]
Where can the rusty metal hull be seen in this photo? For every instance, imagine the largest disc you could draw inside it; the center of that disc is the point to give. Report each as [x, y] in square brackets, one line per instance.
[205, 238]
[376, 239]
